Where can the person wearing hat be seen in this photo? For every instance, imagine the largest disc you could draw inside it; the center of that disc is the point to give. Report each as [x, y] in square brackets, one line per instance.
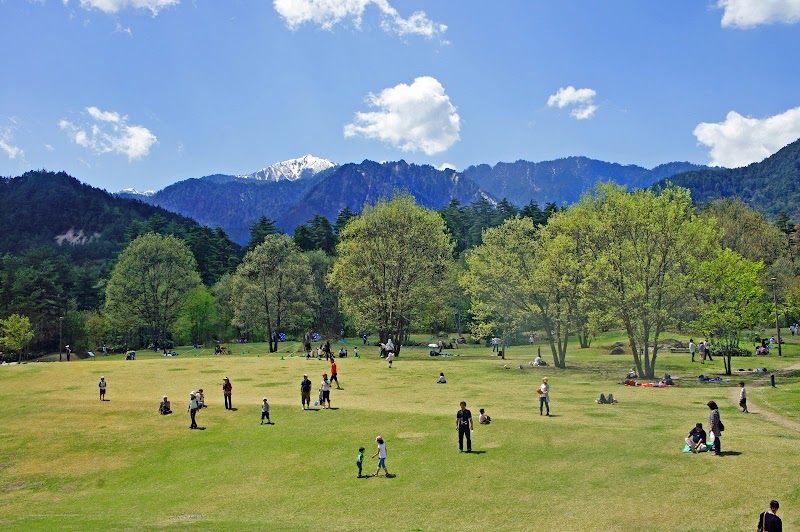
[227, 389]
[325, 388]
[102, 386]
[381, 454]
[305, 392]
[544, 396]
[265, 412]
[193, 407]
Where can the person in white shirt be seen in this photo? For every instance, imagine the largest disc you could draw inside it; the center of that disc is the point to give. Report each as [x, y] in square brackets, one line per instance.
[544, 396]
[743, 399]
[102, 386]
[265, 412]
[484, 418]
[390, 346]
[325, 388]
[441, 380]
[193, 407]
[692, 348]
[390, 358]
[381, 454]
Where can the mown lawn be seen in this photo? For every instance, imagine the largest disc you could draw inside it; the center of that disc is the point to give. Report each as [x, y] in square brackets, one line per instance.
[69, 461]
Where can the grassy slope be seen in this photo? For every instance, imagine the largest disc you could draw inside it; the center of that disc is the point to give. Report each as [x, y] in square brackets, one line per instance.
[69, 461]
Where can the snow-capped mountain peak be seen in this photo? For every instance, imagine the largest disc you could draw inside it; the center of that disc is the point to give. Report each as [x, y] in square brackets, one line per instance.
[134, 192]
[291, 170]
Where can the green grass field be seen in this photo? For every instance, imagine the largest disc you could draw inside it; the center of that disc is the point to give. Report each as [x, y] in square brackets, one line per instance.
[70, 461]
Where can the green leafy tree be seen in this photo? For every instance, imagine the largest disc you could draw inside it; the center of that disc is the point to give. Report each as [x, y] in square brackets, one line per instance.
[197, 316]
[149, 283]
[646, 247]
[390, 261]
[272, 289]
[16, 333]
[732, 300]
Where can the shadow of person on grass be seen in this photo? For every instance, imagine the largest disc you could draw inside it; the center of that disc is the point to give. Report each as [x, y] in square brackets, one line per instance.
[475, 452]
[730, 453]
[233, 409]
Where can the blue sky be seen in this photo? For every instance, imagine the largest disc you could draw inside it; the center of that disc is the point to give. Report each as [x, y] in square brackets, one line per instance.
[143, 93]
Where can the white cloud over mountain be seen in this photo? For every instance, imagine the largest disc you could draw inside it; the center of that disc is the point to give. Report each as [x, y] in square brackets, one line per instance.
[328, 13]
[7, 142]
[739, 140]
[114, 6]
[110, 133]
[745, 14]
[581, 101]
[416, 117]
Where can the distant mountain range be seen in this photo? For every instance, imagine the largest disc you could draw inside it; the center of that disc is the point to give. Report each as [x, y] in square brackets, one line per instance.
[769, 186]
[292, 192]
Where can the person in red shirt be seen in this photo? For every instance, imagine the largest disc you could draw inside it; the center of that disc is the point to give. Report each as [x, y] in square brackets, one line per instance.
[333, 374]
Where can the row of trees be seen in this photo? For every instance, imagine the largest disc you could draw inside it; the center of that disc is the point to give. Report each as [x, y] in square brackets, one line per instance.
[644, 261]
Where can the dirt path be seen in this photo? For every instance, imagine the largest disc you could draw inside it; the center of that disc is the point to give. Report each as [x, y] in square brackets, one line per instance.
[770, 416]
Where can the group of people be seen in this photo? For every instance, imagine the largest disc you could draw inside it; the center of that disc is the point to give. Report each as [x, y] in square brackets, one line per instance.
[698, 441]
[703, 349]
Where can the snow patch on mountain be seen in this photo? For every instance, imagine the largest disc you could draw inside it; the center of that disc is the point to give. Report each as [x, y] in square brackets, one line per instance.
[291, 170]
[134, 192]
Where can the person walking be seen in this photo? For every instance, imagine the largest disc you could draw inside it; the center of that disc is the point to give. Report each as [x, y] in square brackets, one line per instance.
[265, 412]
[333, 374]
[325, 388]
[702, 349]
[305, 392]
[769, 521]
[193, 407]
[102, 386]
[544, 396]
[708, 350]
[227, 392]
[743, 398]
[381, 454]
[464, 424]
[692, 348]
[715, 427]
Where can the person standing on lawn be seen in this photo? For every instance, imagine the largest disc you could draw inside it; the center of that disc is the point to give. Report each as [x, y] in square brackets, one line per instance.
[227, 391]
[102, 386]
[464, 424]
[381, 454]
[193, 407]
[544, 396]
[333, 374]
[715, 426]
[305, 392]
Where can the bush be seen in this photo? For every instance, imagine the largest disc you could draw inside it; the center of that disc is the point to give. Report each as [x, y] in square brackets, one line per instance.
[732, 351]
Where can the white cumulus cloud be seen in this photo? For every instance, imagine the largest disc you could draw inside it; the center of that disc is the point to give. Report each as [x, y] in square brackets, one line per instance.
[110, 133]
[7, 141]
[581, 101]
[746, 14]
[416, 117]
[740, 140]
[328, 13]
[114, 6]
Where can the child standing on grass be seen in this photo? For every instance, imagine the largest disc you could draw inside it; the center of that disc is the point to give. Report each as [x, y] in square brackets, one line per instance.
[201, 398]
[360, 461]
[381, 454]
[265, 412]
[102, 386]
[743, 398]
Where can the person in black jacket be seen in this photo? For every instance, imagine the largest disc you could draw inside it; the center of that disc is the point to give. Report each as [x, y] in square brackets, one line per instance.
[770, 522]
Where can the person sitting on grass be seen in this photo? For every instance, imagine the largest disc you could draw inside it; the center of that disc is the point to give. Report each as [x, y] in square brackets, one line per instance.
[441, 380]
[164, 408]
[484, 418]
[696, 440]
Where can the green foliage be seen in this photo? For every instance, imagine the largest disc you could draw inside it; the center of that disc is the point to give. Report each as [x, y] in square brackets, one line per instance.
[390, 261]
[16, 333]
[149, 284]
[260, 230]
[729, 295]
[272, 289]
[317, 233]
[196, 318]
[646, 248]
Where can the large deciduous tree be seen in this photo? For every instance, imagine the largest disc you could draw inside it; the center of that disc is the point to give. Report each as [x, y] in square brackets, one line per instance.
[390, 262]
[646, 247]
[148, 284]
[730, 296]
[272, 288]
